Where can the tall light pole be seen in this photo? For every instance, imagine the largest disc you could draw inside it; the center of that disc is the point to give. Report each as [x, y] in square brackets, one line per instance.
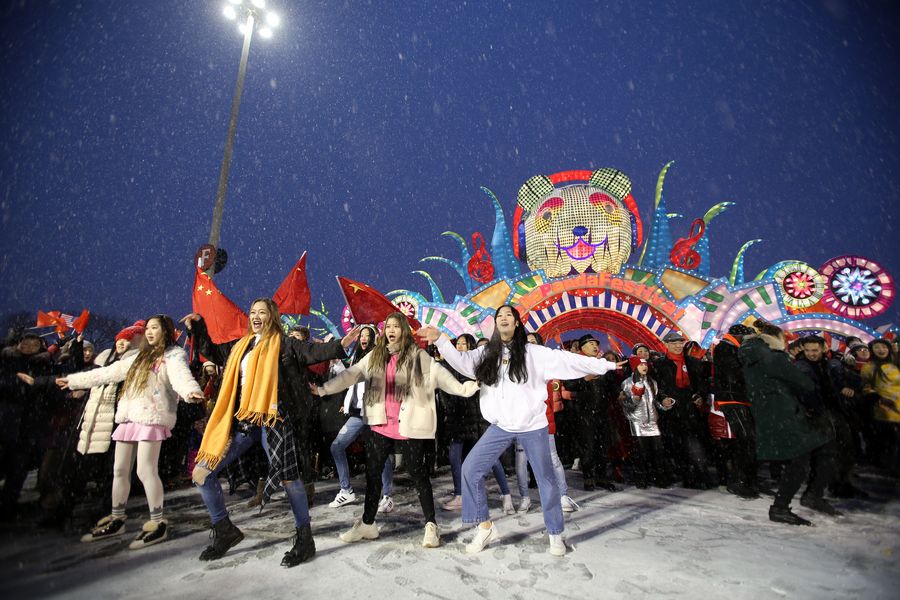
[250, 14]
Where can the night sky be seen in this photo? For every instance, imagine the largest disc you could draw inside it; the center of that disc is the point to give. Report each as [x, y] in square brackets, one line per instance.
[366, 130]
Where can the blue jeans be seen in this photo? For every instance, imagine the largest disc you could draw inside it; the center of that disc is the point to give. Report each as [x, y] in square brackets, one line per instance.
[214, 498]
[348, 433]
[486, 452]
[522, 469]
[457, 449]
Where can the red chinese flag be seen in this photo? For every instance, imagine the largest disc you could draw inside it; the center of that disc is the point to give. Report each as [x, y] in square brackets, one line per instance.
[224, 319]
[368, 305]
[81, 322]
[292, 296]
[45, 320]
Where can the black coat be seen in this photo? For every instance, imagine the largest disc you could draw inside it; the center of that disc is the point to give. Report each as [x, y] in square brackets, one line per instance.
[462, 416]
[294, 398]
[728, 375]
[783, 430]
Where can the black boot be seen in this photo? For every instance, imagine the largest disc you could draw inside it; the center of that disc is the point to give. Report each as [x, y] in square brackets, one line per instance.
[224, 536]
[303, 550]
[742, 490]
[819, 505]
[784, 515]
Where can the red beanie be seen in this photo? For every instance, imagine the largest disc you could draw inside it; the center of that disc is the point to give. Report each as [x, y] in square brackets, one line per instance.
[129, 333]
[634, 361]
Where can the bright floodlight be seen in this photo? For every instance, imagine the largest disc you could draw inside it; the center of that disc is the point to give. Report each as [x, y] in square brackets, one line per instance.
[259, 3]
[272, 20]
[265, 32]
[235, 1]
[229, 12]
[242, 28]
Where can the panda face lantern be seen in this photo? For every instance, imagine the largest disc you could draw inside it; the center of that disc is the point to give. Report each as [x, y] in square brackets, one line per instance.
[577, 228]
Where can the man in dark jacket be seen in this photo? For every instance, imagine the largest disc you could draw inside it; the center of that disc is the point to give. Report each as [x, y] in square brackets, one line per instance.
[592, 422]
[828, 402]
[784, 431]
[681, 377]
[730, 397]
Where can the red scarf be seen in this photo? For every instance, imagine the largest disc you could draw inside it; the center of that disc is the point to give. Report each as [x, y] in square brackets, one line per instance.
[682, 380]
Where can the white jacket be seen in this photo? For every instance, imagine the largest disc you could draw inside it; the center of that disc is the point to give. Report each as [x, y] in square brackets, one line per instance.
[156, 404]
[521, 407]
[98, 419]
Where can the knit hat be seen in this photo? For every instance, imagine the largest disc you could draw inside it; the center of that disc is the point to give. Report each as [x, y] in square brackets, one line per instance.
[634, 348]
[739, 329]
[673, 336]
[634, 361]
[129, 333]
[855, 347]
[587, 338]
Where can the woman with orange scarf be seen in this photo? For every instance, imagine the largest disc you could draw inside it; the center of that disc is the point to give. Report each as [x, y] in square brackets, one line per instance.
[264, 398]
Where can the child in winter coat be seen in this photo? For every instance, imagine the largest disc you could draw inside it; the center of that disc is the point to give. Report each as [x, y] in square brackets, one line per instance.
[153, 378]
[639, 399]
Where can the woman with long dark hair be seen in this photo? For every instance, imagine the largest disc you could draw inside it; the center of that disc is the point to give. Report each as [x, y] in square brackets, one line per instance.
[355, 409]
[263, 398]
[513, 375]
[400, 411]
[153, 378]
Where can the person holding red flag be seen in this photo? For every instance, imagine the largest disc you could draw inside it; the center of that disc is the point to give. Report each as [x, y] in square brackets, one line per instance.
[263, 398]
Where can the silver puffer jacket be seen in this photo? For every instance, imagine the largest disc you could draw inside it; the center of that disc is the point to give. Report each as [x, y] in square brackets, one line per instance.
[641, 411]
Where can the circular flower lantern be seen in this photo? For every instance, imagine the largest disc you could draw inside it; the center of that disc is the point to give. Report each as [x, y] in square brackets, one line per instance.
[857, 288]
[801, 285]
[407, 304]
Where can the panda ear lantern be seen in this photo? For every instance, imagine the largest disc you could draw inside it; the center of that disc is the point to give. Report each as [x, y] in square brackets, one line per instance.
[566, 226]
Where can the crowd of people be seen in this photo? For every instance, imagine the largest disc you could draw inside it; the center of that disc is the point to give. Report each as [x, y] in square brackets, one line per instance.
[278, 411]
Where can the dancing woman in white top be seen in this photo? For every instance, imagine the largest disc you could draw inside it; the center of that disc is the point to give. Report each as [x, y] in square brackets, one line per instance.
[513, 375]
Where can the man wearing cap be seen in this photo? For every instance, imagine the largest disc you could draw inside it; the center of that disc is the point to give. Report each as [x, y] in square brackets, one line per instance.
[680, 377]
[592, 429]
[731, 399]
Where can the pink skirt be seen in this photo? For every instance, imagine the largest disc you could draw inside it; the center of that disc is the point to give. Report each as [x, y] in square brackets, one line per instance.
[136, 432]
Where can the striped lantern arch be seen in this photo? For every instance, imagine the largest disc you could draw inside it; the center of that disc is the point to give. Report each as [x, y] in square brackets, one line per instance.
[627, 319]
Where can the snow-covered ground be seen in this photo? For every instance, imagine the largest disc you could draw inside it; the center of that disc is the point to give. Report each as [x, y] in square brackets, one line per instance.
[633, 543]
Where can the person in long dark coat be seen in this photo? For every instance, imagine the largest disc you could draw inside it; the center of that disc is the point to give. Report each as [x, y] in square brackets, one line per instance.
[264, 398]
[783, 429]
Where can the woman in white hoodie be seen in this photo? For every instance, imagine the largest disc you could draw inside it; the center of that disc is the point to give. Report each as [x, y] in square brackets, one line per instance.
[154, 378]
[513, 375]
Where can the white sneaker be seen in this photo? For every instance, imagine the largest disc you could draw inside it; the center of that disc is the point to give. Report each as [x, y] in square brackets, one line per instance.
[557, 545]
[482, 538]
[508, 507]
[386, 504]
[343, 497]
[524, 505]
[568, 505]
[360, 531]
[454, 504]
[432, 537]
[576, 464]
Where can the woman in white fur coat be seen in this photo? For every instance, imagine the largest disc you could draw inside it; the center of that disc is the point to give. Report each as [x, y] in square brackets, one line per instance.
[154, 378]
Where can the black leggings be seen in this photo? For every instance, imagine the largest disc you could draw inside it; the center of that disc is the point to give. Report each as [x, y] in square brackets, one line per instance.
[378, 447]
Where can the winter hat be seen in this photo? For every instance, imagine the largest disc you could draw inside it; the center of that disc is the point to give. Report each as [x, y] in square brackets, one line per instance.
[634, 348]
[129, 333]
[855, 347]
[673, 336]
[587, 338]
[634, 361]
[739, 329]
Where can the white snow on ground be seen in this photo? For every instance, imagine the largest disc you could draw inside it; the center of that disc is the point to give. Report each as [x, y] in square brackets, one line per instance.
[672, 543]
